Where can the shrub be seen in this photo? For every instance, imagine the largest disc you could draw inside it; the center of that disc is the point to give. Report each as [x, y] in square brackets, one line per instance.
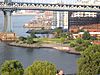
[41, 68]
[86, 35]
[93, 38]
[12, 67]
[79, 48]
[86, 43]
[22, 38]
[79, 40]
[62, 39]
[89, 62]
[29, 40]
[72, 44]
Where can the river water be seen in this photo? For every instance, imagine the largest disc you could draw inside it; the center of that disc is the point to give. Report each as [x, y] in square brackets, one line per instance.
[63, 60]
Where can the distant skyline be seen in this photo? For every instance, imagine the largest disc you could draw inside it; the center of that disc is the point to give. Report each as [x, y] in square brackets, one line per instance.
[45, 1]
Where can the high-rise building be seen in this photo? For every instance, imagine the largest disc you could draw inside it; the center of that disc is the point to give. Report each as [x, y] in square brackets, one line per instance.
[60, 19]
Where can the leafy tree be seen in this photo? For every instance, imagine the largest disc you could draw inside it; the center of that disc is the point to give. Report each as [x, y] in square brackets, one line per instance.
[64, 35]
[86, 35]
[29, 40]
[22, 38]
[79, 48]
[69, 36]
[73, 44]
[12, 67]
[62, 39]
[58, 31]
[89, 62]
[86, 43]
[79, 40]
[32, 34]
[41, 68]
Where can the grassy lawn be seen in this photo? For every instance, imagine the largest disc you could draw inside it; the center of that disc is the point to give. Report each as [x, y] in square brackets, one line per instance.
[48, 40]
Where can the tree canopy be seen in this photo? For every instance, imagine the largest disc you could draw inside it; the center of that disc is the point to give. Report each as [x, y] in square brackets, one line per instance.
[86, 35]
[89, 62]
[41, 68]
[12, 67]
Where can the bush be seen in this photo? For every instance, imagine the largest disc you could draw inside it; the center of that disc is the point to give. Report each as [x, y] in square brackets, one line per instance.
[29, 40]
[86, 43]
[79, 40]
[22, 38]
[89, 62]
[41, 68]
[64, 35]
[86, 35]
[72, 44]
[79, 48]
[62, 40]
[93, 38]
[12, 67]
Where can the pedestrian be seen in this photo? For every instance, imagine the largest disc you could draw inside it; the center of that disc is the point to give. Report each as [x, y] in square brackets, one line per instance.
[60, 72]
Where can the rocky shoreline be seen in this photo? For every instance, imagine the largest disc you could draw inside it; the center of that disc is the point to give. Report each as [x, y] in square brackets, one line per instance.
[59, 47]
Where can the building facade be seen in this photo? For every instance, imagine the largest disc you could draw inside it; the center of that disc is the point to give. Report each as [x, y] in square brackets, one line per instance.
[60, 19]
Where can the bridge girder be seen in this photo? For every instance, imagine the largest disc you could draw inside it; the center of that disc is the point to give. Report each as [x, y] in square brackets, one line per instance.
[50, 7]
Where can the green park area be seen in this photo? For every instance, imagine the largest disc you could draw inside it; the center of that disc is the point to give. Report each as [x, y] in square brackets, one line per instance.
[87, 64]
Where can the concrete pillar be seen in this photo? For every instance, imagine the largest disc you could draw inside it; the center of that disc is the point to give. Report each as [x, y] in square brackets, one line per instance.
[7, 22]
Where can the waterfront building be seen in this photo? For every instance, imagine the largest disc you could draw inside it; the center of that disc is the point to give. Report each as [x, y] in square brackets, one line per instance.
[80, 35]
[85, 21]
[60, 19]
[89, 21]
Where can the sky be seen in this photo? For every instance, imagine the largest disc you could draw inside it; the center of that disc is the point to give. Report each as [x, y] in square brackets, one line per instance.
[45, 1]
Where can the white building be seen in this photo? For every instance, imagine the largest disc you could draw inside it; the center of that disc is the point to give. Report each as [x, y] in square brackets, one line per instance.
[84, 14]
[60, 19]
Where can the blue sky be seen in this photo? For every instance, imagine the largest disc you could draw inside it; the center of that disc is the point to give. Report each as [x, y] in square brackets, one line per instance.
[45, 1]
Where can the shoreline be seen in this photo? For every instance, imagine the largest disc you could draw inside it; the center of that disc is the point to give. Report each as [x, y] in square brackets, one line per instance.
[59, 47]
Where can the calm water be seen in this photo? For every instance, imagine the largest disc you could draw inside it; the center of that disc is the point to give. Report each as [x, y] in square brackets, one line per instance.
[63, 60]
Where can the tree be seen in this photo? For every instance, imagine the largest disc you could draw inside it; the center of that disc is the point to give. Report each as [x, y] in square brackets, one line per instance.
[79, 40]
[89, 62]
[32, 34]
[58, 31]
[12, 67]
[29, 40]
[21, 38]
[41, 68]
[86, 35]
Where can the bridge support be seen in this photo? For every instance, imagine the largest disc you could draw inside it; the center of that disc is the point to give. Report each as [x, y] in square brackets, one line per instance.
[7, 21]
